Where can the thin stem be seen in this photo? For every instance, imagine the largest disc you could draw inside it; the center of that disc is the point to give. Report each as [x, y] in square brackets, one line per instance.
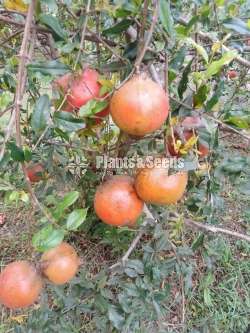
[83, 33]
[149, 36]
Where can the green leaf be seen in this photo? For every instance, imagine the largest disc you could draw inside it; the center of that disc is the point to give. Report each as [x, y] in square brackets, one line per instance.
[27, 154]
[67, 122]
[136, 265]
[178, 59]
[198, 241]
[47, 238]
[76, 218]
[92, 107]
[53, 23]
[53, 67]
[215, 98]
[237, 25]
[118, 28]
[200, 49]
[207, 297]
[68, 200]
[184, 80]
[116, 318]
[41, 114]
[244, 188]
[239, 122]
[166, 17]
[16, 153]
[201, 96]
[216, 66]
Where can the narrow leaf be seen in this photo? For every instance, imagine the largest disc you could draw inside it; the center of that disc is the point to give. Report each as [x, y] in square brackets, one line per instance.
[41, 114]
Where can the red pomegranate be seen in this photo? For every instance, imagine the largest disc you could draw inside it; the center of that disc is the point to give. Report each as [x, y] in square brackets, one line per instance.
[80, 89]
[35, 172]
[140, 106]
[232, 74]
[20, 285]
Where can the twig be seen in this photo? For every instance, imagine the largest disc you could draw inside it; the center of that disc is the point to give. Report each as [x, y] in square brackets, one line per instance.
[11, 36]
[9, 108]
[21, 76]
[83, 33]
[149, 36]
[91, 36]
[21, 79]
[215, 230]
[68, 145]
[109, 47]
[149, 217]
[212, 118]
[142, 28]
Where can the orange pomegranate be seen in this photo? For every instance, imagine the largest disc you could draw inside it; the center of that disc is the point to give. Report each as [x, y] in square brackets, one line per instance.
[140, 106]
[20, 285]
[60, 264]
[116, 202]
[154, 185]
[35, 172]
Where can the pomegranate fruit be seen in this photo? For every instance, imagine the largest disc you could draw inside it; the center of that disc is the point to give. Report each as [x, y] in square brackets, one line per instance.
[232, 74]
[140, 106]
[156, 186]
[20, 285]
[60, 264]
[116, 202]
[35, 172]
[80, 89]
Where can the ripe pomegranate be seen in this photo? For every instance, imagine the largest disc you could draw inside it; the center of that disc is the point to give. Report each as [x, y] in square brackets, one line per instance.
[20, 285]
[35, 172]
[140, 106]
[189, 124]
[116, 202]
[232, 74]
[156, 186]
[60, 264]
[80, 89]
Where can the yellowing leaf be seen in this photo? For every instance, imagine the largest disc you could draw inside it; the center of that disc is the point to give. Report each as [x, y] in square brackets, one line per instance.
[106, 83]
[189, 144]
[19, 319]
[17, 5]
[174, 121]
[216, 47]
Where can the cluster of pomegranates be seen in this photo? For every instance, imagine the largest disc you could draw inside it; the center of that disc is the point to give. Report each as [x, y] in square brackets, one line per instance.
[21, 282]
[138, 108]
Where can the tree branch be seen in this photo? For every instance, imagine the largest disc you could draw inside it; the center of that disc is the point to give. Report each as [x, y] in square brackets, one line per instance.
[149, 217]
[189, 223]
[215, 230]
[140, 56]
